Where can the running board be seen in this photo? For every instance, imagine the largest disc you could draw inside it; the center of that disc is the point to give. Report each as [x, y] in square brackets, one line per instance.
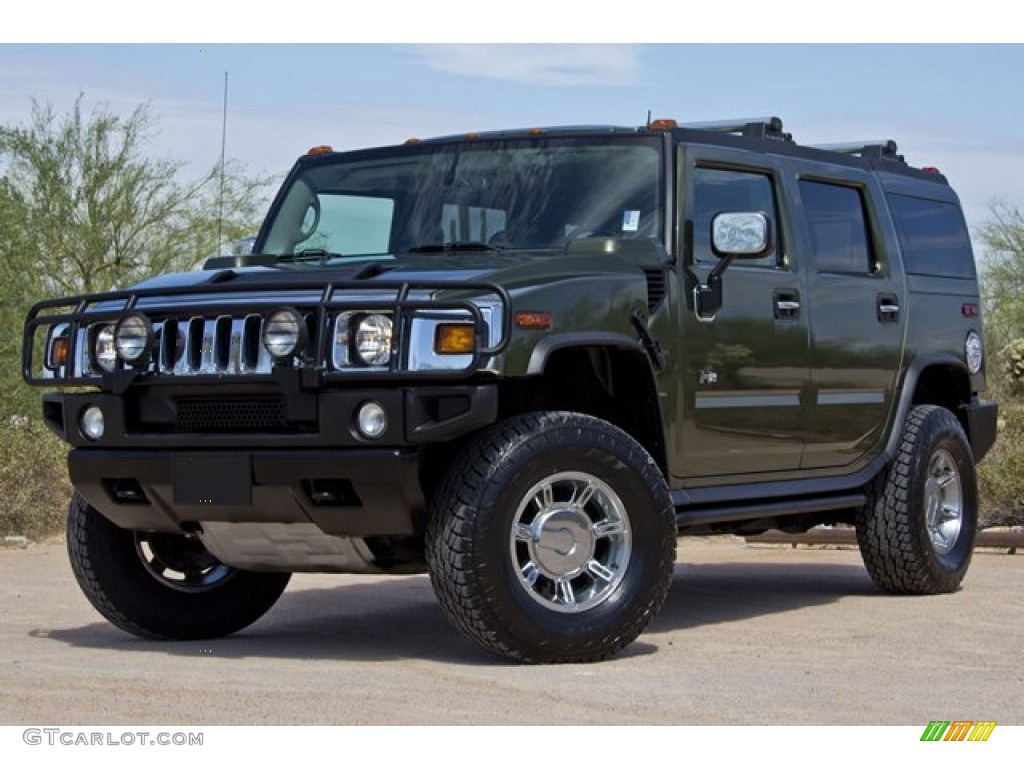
[688, 517]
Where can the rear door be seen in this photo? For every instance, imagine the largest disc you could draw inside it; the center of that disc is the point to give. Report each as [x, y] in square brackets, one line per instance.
[856, 311]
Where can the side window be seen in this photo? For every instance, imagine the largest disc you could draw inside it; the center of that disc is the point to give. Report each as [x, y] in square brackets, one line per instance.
[717, 191]
[838, 228]
[350, 224]
[933, 237]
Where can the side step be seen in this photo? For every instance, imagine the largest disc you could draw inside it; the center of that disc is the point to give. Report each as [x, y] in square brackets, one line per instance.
[688, 517]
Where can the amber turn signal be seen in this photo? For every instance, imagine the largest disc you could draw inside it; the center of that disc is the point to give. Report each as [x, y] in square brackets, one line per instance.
[454, 339]
[58, 355]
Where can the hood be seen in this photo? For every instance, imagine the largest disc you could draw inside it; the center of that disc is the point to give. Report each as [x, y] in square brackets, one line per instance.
[511, 269]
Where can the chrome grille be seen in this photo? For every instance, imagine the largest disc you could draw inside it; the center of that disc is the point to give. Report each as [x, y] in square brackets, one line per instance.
[211, 345]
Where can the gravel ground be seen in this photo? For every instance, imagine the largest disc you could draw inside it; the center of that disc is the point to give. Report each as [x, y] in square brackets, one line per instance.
[751, 635]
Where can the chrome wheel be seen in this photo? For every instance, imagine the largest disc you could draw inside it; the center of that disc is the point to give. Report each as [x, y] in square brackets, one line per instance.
[943, 501]
[180, 562]
[570, 542]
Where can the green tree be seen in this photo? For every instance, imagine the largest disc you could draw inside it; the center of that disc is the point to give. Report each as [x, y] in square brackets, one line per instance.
[92, 212]
[84, 209]
[1000, 475]
[1003, 274]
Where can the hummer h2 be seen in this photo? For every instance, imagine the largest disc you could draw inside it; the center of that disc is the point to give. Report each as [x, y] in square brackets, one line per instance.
[525, 361]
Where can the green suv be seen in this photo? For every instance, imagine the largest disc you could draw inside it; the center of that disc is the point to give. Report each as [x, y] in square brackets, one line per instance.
[525, 362]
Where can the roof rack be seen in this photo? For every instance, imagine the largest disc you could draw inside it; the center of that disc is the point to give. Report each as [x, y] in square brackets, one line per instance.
[879, 149]
[752, 127]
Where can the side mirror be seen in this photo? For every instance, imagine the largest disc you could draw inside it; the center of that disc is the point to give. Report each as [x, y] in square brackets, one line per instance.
[743, 235]
[740, 235]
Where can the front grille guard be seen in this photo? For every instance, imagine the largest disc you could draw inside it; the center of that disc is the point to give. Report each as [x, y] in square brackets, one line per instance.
[80, 312]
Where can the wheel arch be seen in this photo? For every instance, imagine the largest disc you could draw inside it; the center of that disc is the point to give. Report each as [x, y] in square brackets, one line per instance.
[605, 375]
[941, 380]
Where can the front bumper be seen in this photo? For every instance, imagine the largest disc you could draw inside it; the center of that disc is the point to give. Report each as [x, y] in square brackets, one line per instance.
[160, 468]
[183, 417]
[368, 492]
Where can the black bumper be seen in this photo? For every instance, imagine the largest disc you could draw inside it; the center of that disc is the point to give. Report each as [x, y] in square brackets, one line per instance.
[158, 467]
[344, 492]
[248, 417]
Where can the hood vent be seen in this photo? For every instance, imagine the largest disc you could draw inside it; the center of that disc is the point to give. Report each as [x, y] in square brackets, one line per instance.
[657, 284]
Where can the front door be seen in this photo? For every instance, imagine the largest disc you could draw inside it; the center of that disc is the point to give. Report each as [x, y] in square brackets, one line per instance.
[744, 377]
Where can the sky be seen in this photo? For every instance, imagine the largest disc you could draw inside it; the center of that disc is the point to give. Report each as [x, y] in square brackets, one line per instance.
[958, 106]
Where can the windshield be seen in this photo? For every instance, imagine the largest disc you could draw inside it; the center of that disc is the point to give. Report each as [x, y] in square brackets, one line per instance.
[532, 193]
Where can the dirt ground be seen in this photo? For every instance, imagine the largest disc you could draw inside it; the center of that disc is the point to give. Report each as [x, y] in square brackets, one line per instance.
[750, 635]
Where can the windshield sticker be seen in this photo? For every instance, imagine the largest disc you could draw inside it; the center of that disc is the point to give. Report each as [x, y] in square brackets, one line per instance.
[630, 221]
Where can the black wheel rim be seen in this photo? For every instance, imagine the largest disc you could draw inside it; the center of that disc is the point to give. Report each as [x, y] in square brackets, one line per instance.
[180, 562]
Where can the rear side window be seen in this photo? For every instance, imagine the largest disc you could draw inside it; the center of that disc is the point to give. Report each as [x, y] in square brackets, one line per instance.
[933, 237]
[837, 227]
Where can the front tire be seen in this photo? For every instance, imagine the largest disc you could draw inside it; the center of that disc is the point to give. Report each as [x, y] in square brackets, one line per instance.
[163, 585]
[552, 539]
[916, 532]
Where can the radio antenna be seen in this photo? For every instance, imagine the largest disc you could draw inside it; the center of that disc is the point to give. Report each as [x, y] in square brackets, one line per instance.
[223, 147]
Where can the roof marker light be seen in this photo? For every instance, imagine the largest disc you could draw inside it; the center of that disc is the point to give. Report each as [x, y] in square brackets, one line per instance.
[662, 124]
[320, 149]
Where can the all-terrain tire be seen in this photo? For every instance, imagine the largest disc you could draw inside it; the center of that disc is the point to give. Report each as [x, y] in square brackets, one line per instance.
[163, 586]
[552, 539]
[916, 532]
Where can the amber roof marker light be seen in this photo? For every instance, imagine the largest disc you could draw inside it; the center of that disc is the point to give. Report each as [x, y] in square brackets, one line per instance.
[320, 149]
[662, 124]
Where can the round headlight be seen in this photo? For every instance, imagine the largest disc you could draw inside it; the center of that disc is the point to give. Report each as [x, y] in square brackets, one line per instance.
[283, 332]
[104, 352]
[373, 340]
[133, 338]
[974, 351]
[92, 422]
[371, 419]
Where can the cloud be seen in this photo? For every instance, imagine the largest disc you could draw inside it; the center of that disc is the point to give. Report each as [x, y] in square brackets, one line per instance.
[549, 65]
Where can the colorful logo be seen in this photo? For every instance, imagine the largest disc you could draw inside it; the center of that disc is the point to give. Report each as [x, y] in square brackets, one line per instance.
[958, 730]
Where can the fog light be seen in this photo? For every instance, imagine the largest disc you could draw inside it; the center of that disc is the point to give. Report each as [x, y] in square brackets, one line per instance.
[371, 420]
[133, 339]
[92, 422]
[283, 333]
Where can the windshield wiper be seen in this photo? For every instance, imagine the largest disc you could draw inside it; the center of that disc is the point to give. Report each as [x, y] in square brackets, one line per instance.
[464, 245]
[310, 254]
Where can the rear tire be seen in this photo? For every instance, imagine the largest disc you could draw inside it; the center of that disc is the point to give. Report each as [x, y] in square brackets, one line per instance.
[164, 586]
[552, 539]
[916, 532]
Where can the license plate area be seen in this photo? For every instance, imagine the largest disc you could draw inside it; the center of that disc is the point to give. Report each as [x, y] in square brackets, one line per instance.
[213, 479]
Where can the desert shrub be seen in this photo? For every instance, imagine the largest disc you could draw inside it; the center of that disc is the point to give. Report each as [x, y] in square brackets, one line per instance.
[1001, 474]
[34, 486]
[1012, 364]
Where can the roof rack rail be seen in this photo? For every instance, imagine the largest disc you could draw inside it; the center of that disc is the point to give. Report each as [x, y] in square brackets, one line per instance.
[880, 149]
[752, 127]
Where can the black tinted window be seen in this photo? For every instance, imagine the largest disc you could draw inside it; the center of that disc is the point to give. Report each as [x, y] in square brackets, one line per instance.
[718, 191]
[837, 227]
[933, 237]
